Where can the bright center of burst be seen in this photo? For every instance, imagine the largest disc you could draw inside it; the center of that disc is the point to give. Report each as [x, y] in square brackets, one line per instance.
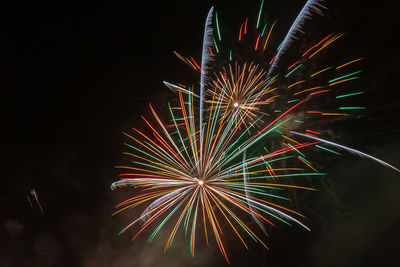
[201, 182]
[235, 105]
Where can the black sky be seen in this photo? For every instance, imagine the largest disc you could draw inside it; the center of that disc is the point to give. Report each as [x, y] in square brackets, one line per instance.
[78, 73]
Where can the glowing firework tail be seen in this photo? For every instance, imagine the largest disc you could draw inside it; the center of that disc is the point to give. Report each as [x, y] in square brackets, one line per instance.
[174, 87]
[206, 59]
[351, 150]
[310, 7]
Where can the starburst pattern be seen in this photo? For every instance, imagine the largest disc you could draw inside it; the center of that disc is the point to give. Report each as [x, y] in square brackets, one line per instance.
[233, 157]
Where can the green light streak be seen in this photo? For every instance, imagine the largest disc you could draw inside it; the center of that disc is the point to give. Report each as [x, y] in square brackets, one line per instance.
[239, 187]
[352, 108]
[324, 148]
[219, 34]
[177, 129]
[279, 47]
[153, 235]
[299, 121]
[344, 76]
[266, 187]
[193, 233]
[187, 219]
[216, 46]
[230, 54]
[263, 31]
[275, 216]
[294, 100]
[180, 119]
[296, 150]
[282, 176]
[358, 93]
[177, 226]
[267, 132]
[266, 163]
[293, 70]
[282, 158]
[305, 160]
[297, 21]
[259, 14]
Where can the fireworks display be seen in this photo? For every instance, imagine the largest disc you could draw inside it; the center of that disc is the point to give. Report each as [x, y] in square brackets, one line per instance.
[226, 152]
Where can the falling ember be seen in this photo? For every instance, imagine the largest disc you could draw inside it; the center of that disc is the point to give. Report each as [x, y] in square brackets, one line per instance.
[34, 195]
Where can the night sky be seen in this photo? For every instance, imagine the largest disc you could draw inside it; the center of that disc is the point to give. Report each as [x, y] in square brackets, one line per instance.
[76, 74]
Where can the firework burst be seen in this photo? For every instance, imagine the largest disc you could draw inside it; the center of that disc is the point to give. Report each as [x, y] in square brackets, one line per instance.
[242, 89]
[201, 169]
[201, 182]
